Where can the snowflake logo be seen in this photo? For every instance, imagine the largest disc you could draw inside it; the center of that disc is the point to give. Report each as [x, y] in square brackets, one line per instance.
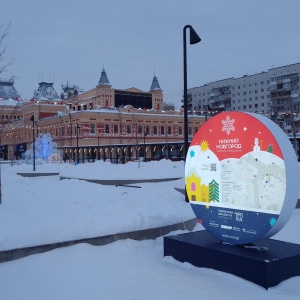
[192, 153]
[272, 222]
[228, 125]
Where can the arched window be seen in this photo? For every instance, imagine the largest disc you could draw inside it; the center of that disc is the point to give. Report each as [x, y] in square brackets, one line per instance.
[193, 186]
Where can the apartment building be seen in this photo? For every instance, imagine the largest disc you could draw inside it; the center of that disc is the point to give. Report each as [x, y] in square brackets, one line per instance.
[274, 93]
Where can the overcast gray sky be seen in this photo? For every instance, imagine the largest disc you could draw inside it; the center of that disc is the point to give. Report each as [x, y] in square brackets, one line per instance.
[60, 41]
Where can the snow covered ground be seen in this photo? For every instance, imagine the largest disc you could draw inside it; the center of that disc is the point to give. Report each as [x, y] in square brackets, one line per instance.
[43, 210]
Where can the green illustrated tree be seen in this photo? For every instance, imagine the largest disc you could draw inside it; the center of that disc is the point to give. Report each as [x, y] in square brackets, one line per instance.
[213, 191]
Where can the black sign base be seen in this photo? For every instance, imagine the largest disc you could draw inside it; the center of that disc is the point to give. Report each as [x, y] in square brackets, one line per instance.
[266, 263]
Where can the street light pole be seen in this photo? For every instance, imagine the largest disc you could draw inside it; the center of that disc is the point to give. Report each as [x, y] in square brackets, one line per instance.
[71, 133]
[33, 143]
[77, 149]
[145, 146]
[98, 150]
[194, 39]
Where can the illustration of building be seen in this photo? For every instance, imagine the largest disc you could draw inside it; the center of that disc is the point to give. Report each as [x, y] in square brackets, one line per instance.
[195, 190]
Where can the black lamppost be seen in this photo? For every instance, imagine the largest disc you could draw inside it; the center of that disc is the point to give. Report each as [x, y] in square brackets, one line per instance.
[207, 109]
[145, 145]
[98, 150]
[77, 149]
[194, 39]
[71, 134]
[33, 143]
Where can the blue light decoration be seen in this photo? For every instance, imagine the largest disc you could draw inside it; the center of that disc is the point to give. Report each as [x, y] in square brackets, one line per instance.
[45, 151]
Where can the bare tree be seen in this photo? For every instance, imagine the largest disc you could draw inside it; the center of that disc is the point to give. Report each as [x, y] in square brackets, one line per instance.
[136, 133]
[4, 31]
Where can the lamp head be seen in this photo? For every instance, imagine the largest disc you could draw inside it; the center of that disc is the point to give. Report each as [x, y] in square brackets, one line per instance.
[194, 37]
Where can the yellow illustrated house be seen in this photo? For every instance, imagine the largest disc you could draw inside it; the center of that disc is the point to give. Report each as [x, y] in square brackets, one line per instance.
[196, 191]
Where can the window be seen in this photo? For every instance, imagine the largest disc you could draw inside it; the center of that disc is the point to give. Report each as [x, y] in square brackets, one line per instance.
[250, 99]
[106, 128]
[76, 127]
[92, 128]
[250, 105]
[155, 130]
[250, 84]
[262, 90]
[250, 92]
[256, 91]
[262, 82]
[262, 104]
[140, 129]
[116, 128]
[256, 98]
[180, 130]
[162, 129]
[239, 87]
[244, 93]
[147, 129]
[262, 97]
[128, 129]
[244, 106]
[169, 129]
[62, 130]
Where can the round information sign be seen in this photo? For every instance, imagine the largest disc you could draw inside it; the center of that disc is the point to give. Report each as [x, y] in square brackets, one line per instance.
[242, 177]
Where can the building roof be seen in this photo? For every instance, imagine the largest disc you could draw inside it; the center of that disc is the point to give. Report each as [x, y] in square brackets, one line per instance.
[46, 91]
[155, 85]
[8, 91]
[103, 79]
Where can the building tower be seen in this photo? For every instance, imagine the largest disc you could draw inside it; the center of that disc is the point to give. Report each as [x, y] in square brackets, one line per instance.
[157, 95]
[105, 94]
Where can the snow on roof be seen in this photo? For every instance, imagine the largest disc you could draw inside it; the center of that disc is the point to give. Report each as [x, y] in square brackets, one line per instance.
[7, 90]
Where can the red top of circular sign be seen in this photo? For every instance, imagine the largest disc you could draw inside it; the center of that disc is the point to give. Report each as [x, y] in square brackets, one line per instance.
[234, 134]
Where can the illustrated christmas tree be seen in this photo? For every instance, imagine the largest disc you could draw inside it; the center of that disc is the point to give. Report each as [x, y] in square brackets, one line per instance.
[213, 191]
